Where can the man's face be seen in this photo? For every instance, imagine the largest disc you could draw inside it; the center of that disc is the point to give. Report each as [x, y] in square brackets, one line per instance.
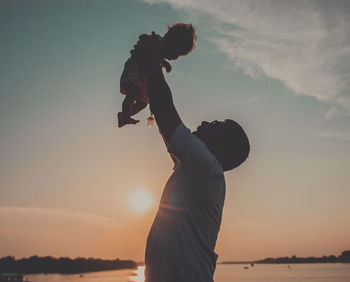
[220, 137]
[207, 131]
[201, 128]
[211, 133]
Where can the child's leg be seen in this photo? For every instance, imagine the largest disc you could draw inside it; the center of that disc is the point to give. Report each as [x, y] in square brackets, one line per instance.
[128, 103]
[131, 104]
[124, 117]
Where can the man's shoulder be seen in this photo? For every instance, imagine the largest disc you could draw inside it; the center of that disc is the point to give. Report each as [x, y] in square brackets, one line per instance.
[192, 153]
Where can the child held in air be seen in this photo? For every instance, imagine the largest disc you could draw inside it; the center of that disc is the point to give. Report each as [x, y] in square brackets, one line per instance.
[151, 49]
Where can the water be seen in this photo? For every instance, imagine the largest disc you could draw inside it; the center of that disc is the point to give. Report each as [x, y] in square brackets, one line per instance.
[322, 272]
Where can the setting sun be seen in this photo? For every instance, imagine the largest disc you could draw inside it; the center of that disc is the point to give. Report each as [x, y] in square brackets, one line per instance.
[140, 200]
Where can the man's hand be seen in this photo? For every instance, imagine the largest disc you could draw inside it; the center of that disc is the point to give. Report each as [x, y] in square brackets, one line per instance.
[161, 102]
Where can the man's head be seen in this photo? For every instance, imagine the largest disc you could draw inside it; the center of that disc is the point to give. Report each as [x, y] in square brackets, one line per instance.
[179, 40]
[226, 140]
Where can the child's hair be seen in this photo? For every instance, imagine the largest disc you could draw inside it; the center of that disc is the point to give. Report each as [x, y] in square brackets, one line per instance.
[181, 35]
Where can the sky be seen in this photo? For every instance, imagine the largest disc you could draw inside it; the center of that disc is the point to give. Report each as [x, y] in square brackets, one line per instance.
[279, 68]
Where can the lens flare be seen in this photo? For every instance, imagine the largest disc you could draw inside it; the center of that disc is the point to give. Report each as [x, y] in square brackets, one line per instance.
[140, 201]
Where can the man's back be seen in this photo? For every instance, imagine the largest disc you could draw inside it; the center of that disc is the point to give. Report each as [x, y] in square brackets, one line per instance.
[181, 242]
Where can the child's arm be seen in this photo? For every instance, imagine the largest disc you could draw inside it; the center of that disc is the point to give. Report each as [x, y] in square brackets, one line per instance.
[165, 64]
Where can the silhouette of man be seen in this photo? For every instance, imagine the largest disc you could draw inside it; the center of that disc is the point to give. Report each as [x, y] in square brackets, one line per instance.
[181, 242]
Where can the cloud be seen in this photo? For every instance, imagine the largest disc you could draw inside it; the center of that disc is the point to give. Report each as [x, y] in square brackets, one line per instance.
[331, 113]
[305, 44]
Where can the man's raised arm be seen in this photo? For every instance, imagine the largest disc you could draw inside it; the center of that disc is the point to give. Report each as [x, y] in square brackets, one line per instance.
[161, 103]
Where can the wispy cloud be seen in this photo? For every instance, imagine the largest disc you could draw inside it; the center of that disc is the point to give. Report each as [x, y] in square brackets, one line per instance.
[305, 44]
[331, 113]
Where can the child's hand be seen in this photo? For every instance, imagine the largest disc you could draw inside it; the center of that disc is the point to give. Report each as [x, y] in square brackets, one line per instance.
[165, 64]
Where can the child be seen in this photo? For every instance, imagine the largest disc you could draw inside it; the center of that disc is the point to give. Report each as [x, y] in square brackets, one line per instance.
[150, 49]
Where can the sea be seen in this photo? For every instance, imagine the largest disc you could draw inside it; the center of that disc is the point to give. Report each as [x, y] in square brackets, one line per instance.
[308, 272]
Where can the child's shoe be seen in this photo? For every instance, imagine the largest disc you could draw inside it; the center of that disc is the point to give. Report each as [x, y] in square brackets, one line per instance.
[124, 119]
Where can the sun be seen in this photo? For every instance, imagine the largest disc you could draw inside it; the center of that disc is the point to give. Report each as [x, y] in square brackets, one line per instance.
[140, 200]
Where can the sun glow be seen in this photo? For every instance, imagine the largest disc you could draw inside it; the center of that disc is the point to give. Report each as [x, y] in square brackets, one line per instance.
[138, 275]
[140, 200]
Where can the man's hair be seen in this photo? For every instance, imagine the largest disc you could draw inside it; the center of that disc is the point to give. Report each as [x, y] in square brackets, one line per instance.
[229, 143]
[183, 36]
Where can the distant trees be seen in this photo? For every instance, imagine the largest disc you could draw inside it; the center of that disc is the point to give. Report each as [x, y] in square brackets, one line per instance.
[344, 257]
[49, 264]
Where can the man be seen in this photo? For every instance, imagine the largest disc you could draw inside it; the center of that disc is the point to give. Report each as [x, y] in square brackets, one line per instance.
[180, 245]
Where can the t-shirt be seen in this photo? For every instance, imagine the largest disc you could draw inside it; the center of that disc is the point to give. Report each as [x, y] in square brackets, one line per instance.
[181, 242]
[145, 52]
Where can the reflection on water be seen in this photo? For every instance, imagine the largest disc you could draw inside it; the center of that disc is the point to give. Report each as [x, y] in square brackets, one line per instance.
[321, 272]
[138, 275]
[125, 275]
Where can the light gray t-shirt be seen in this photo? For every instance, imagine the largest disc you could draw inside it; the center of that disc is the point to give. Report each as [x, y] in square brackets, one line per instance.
[180, 245]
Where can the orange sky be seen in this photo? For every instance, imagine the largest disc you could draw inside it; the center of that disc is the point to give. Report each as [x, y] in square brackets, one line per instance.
[67, 171]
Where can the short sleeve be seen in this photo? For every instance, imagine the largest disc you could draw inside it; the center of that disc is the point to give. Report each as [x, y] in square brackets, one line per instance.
[192, 154]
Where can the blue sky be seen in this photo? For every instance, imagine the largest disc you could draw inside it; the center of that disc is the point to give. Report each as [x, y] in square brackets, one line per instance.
[279, 68]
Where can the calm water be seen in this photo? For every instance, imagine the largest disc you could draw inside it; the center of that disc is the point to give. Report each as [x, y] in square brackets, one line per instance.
[224, 273]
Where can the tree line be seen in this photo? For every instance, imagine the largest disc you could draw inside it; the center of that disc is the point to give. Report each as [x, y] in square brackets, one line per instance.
[65, 265]
[344, 257]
